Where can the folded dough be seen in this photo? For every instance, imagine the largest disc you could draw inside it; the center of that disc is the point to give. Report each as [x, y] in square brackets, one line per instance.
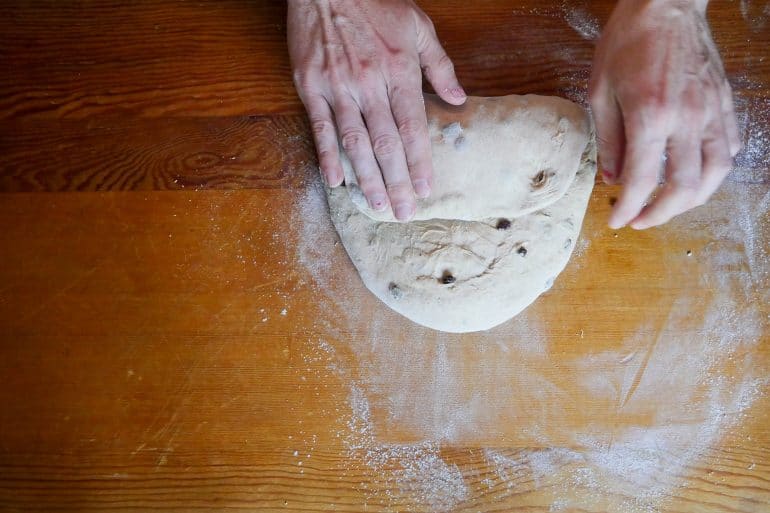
[512, 178]
[494, 157]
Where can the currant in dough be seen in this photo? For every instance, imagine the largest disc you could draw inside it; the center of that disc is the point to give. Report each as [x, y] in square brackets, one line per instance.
[512, 178]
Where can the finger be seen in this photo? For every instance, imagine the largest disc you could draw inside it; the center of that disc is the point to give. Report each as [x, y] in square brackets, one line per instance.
[389, 152]
[438, 67]
[730, 121]
[645, 144]
[609, 135]
[354, 138]
[409, 114]
[717, 159]
[325, 138]
[683, 182]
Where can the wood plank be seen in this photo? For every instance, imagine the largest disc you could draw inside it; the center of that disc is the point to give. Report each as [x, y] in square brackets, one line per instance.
[62, 62]
[227, 337]
[210, 153]
[159, 154]
[552, 50]
[146, 58]
[180, 329]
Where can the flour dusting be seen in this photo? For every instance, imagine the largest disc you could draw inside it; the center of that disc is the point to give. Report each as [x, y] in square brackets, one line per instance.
[582, 22]
[410, 473]
[428, 387]
[753, 113]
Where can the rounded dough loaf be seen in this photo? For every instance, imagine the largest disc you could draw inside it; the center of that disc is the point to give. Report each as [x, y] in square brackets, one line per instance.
[495, 257]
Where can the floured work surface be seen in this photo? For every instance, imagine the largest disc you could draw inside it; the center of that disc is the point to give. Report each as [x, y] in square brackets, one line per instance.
[512, 178]
[170, 344]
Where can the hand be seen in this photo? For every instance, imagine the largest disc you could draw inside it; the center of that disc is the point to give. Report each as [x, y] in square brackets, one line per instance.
[658, 88]
[357, 70]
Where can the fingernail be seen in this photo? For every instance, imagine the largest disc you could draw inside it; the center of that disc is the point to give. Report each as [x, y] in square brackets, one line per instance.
[608, 176]
[615, 225]
[378, 202]
[458, 92]
[421, 187]
[404, 211]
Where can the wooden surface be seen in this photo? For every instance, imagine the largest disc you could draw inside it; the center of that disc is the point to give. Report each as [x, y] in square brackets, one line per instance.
[181, 331]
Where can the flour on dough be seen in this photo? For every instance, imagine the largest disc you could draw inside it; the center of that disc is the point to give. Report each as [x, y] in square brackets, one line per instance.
[498, 228]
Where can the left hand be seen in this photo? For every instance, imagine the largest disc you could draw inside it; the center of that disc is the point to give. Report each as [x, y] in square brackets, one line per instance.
[658, 88]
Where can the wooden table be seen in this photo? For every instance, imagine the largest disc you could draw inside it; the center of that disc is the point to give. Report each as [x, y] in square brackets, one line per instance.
[181, 330]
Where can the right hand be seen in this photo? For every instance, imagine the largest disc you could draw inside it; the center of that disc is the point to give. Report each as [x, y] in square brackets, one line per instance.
[357, 70]
[658, 87]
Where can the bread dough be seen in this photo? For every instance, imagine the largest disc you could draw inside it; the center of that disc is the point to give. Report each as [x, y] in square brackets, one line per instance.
[472, 262]
[494, 157]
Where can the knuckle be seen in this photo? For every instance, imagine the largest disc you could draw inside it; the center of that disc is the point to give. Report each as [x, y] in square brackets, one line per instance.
[353, 140]
[328, 155]
[337, 84]
[385, 145]
[399, 64]
[655, 117]
[370, 185]
[320, 127]
[400, 189]
[411, 130]
[693, 111]
[365, 75]
[445, 63]
[335, 62]
[325, 155]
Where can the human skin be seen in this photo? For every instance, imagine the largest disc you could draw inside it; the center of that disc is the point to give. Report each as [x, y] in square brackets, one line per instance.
[657, 89]
[358, 69]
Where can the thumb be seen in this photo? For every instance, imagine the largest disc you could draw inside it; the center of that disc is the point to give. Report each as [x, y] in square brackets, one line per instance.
[610, 135]
[437, 66]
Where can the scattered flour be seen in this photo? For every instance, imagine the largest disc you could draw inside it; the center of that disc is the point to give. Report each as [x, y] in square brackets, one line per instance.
[755, 15]
[407, 473]
[419, 383]
[582, 22]
[753, 114]
[437, 398]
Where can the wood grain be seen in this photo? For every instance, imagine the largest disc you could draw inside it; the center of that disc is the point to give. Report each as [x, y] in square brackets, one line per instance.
[167, 390]
[162, 154]
[75, 91]
[228, 58]
[181, 331]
